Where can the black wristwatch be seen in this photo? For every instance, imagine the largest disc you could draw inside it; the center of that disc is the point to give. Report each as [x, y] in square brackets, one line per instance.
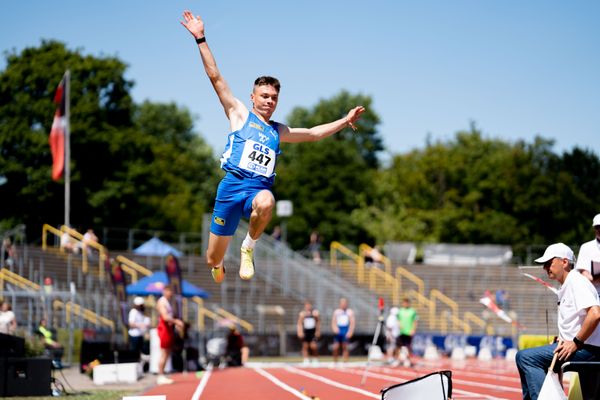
[578, 343]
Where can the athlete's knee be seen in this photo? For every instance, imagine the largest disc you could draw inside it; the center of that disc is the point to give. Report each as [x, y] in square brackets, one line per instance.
[264, 204]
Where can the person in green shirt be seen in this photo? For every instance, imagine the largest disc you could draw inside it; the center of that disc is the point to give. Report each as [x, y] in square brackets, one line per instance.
[407, 317]
[49, 342]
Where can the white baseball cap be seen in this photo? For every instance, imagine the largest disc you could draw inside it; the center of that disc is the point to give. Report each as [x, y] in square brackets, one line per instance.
[138, 301]
[559, 250]
[596, 221]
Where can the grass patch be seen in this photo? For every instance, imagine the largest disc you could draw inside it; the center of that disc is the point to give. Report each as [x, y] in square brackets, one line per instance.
[93, 395]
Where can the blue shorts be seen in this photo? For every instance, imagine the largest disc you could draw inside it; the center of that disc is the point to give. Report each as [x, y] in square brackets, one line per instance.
[341, 337]
[234, 199]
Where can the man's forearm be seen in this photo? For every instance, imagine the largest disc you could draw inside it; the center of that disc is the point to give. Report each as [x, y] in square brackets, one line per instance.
[590, 323]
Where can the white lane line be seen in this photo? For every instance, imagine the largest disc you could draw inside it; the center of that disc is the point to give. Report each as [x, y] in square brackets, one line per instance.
[201, 385]
[468, 372]
[400, 380]
[332, 383]
[471, 383]
[281, 384]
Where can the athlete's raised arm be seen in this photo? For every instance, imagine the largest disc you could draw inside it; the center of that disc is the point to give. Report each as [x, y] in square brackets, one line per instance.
[235, 110]
[296, 135]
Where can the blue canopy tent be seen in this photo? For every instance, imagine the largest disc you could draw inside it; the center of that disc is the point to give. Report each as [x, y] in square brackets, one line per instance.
[156, 247]
[154, 284]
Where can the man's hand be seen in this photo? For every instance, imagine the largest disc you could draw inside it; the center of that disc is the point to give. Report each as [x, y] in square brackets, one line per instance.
[565, 350]
[354, 115]
[194, 25]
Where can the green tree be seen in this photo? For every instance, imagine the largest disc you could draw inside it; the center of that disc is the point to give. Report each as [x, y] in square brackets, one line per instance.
[326, 179]
[131, 165]
[475, 190]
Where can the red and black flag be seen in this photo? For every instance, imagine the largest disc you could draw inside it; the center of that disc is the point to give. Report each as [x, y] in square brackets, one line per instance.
[174, 275]
[58, 131]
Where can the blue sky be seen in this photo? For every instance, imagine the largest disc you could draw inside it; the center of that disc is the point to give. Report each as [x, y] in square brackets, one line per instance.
[518, 69]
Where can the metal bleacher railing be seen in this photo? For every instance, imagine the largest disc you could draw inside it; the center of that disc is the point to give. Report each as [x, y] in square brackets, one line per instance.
[394, 287]
[134, 270]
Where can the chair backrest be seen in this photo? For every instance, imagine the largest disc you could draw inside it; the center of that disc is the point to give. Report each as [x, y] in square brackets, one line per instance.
[434, 386]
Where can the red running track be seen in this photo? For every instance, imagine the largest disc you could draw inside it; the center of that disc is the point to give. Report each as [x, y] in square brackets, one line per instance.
[471, 379]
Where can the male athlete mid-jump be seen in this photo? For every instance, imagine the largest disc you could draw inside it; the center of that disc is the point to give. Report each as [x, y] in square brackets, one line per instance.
[249, 158]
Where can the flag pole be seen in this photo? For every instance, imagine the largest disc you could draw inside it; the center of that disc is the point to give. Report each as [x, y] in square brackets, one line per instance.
[67, 147]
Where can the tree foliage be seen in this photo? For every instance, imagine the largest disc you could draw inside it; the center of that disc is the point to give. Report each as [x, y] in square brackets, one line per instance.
[476, 190]
[132, 165]
[325, 179]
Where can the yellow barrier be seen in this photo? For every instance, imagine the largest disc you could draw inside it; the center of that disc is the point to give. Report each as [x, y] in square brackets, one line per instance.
[364, 249]
[84, 246]
[384, 283]
[437, 295]
[470, 317]
[204, 312]
[45, 229]
[336, 247]
[389, 287]
[244, 324]
[84, 313]
[528, 341]
[132, 268]
[133, 265]
[403, 272]
[17, 280]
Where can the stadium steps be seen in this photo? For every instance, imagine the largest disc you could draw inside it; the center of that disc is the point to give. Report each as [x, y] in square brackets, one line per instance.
[467, 284]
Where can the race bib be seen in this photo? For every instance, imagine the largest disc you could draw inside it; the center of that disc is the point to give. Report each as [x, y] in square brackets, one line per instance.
[343, 320]
[258, 158]
[309, 323]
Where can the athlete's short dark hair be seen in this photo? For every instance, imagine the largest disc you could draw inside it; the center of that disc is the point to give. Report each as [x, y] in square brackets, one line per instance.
[268, 80]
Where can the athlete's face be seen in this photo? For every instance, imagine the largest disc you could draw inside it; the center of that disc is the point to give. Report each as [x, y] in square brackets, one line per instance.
[264, 98]
[597, 229]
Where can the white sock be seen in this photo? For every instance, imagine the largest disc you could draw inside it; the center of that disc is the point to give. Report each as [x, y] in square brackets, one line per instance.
[248, 242]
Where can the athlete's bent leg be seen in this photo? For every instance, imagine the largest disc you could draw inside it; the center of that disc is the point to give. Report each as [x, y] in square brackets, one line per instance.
[262, 210]
[217, 246]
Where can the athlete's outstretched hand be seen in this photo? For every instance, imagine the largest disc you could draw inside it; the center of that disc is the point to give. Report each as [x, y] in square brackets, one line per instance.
[354, 115]
[194, 25]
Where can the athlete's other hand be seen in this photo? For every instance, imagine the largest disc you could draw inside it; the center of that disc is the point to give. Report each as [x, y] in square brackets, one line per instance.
[354, 115]
[194, 25]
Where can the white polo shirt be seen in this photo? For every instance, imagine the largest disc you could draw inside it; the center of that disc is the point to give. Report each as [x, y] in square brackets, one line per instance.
[589, 251]
[575, 295]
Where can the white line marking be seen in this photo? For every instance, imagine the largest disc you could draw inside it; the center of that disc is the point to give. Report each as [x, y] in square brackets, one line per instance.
[400, 380]
[281, 384]
[201, 385]
[332, 383]
[464, 382]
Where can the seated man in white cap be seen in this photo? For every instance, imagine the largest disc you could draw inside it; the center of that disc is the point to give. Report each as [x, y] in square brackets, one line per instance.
[578, 317]
[590, 252]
